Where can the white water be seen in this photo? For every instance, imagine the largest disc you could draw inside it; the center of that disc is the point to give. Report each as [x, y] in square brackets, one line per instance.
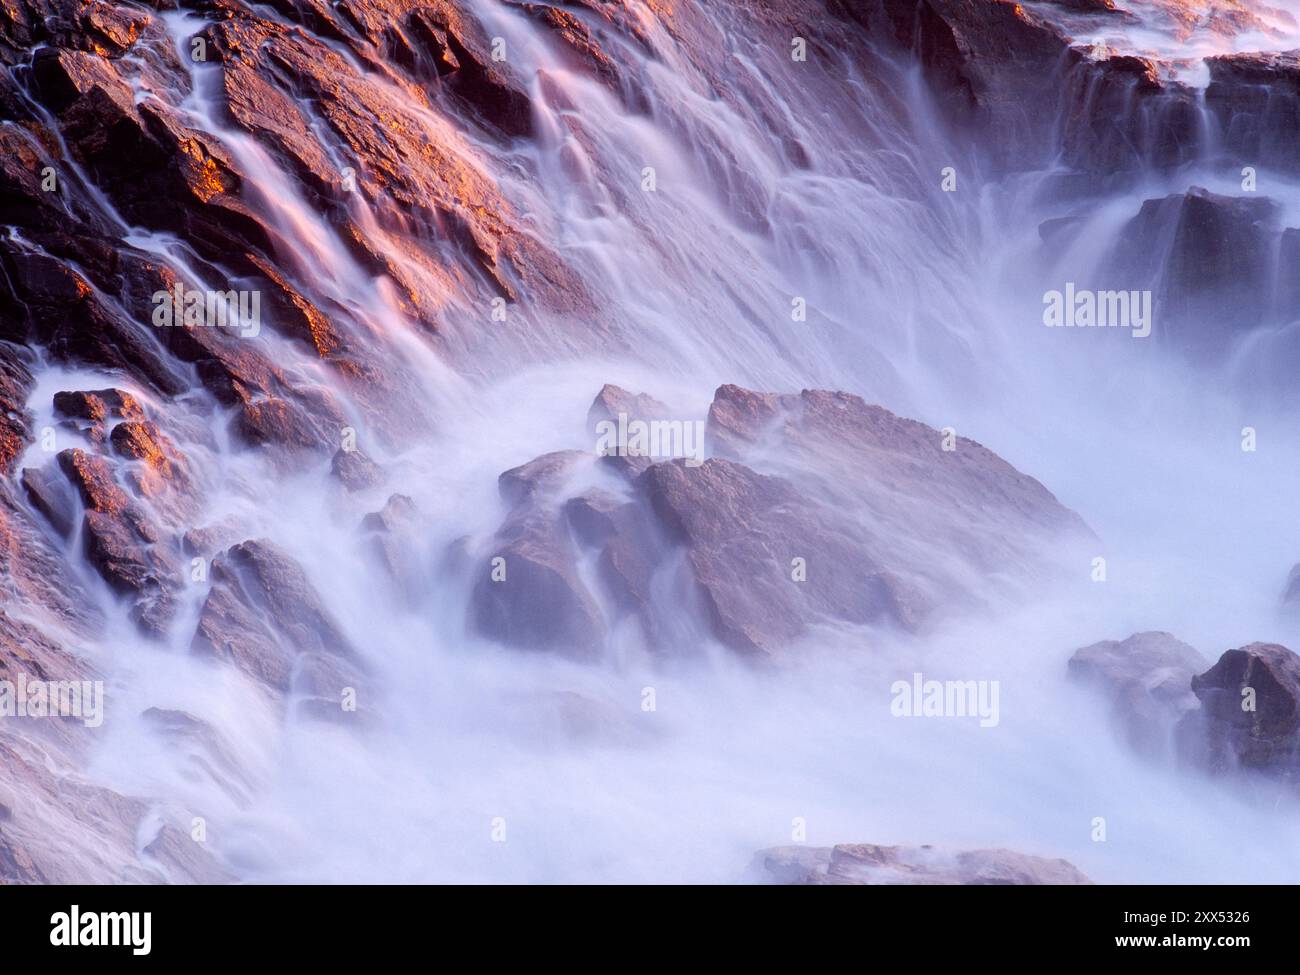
[928, 303]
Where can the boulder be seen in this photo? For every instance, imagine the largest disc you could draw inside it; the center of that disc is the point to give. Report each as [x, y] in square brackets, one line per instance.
[1208, 258]
[1147, 679]
[263, 615]
[1249, 714]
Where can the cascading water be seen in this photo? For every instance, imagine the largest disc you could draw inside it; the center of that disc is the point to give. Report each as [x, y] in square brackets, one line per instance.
[773, 180]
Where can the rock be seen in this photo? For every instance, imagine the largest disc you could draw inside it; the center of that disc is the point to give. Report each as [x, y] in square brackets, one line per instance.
[742, 532]
[539, 478]
[1255, 98]
[536, 599]
[1226, 735]
[851, 478]
[98, 405]
[15, 421]
[120, 541]
[50, 496]
[1209, 260]
[868, 864]
[1291, 595]
[355, 470]
[392, 529]
[1148, 680]
[184, 858]
[1108, 116]
[264, 615]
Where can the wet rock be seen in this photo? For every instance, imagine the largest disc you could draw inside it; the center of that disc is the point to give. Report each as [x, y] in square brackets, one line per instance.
[98, 405]
[1209, 260]
[1148, 680]
[742, 533]
[355, 470]
[50, 496]
[1250, 710]
[534, 481]
[533, 598]
[119, 539]
[184, 858]
[528, 592]
[263, 614]
[1255, 98]
[391, 530]
[868, 864]
[1107, 115]
[15, 421]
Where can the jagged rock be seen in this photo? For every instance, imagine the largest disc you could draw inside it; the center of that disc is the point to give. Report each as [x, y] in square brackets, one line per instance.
[541, 476]
[120, 541]
[98, 405]
[263, 615]
[868, 864]
[15, 421]
[1148, 681]
[853, 477]
[1227, 734]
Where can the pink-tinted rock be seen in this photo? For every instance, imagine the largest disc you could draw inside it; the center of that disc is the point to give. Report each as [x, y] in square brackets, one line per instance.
[868, 864]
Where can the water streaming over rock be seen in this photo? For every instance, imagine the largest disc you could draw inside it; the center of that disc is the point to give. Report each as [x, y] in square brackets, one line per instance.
[456, 253]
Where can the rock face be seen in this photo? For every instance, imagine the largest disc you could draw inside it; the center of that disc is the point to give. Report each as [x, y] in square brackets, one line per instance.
[1249, 714]
[868, 864]
[1148, 681]
[1106, 115]
[825, 535]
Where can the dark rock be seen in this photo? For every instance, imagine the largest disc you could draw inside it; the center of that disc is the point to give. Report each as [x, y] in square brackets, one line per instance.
[1227, 734]
[50, 496]
[1209, 260]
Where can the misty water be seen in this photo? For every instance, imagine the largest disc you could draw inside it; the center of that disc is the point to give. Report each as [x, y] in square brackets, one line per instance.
[924, 301]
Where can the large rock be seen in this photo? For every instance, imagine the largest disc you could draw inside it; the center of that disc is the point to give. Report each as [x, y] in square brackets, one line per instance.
[1147, 679]
[263, 615]
[1209, 261]
[528, 592]
[1249, 714]
[809, 516]
[868, 864]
